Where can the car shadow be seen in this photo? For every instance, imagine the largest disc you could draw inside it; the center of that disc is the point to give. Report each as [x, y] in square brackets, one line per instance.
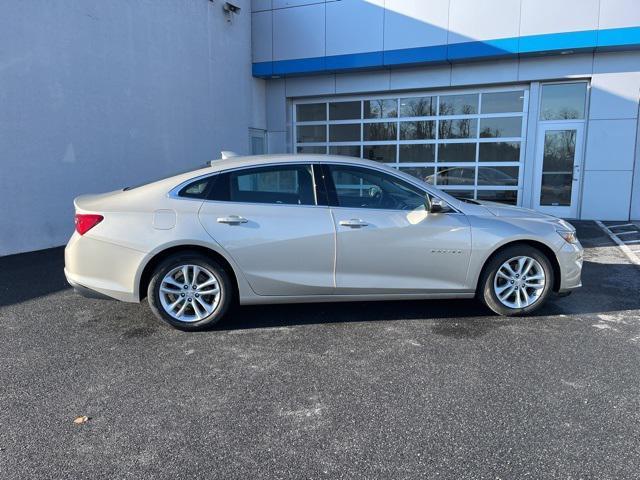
[31, 275]
[606, 288]
[461, 318]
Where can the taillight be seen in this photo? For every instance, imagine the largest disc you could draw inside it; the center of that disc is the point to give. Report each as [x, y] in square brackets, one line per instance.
[86, 221]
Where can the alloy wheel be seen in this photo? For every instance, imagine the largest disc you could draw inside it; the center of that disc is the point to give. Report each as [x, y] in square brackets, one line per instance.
[519, 282]
[189, 293]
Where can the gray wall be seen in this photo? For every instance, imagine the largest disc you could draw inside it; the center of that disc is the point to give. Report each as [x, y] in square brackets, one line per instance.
[294, 29]
[96, 95]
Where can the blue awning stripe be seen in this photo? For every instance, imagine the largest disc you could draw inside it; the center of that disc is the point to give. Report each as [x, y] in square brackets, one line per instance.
[580, 41]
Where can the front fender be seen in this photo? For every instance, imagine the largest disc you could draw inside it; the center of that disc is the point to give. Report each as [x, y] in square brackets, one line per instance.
[491, 234]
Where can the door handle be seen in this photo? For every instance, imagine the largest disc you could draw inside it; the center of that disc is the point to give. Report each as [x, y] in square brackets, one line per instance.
[232, 220]
[353, 223]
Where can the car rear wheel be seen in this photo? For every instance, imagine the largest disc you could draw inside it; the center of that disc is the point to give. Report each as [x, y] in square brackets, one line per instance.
[190, 291]
[517, 281]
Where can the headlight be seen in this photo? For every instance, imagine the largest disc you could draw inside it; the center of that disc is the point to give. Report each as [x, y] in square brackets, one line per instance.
[568, 235]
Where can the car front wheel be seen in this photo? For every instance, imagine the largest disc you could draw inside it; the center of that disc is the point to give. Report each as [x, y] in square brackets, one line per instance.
[190, 291]
[517, 281]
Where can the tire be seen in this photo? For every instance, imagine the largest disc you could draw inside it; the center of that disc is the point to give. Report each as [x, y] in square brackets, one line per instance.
[203, 306]
[493, 282]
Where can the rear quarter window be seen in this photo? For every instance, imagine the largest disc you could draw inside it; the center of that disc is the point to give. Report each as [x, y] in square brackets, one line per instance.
[197, 189]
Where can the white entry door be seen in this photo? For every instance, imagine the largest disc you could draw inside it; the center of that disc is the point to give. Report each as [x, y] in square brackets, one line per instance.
[558, 167]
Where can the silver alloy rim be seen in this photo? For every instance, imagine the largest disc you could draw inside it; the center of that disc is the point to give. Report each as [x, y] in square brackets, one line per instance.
[190, 293]
[519, 282]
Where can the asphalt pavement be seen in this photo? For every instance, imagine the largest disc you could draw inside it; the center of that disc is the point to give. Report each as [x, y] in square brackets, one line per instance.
[418, 389]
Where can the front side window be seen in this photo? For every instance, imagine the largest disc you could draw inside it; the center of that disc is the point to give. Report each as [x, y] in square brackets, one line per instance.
[284, 184]
[358, 187]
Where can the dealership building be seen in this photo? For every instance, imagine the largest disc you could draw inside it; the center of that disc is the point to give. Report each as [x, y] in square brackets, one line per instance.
[529, 102]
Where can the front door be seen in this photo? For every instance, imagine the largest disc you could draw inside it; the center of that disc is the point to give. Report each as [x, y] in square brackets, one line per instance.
[386, 240]
[558, 166]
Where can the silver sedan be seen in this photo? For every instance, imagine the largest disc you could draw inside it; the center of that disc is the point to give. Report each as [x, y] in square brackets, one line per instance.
[305, 228]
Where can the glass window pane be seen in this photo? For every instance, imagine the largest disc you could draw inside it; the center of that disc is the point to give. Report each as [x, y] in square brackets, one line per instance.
[464, 128]
[291, 184]
[344, 133]
[344, 110]
[196, 189]
[348, 150]
[380, 131]
[502, 102]
[311, 112]
[380, 153]
[423, 173]
[456, 176]
[498, 176]
[425, 130]
[557, 167]
[459, 193]
[457, 152]
[313, 150]
[358, 187]
[563, 101]
[459, 104]
[501, 127]
[556, 189]
[559, 151]
[499, 152]
[381, 108]
[418, 153]
[503, 196]
[418, 107]
[311, 133]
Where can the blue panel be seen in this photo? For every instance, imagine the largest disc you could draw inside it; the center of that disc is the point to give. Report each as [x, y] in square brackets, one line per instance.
[262, 69]
[550, 42]
[302, 65]
[502, 47]
[354, 61]
[619, 37]
[588, 40]
[408, 56]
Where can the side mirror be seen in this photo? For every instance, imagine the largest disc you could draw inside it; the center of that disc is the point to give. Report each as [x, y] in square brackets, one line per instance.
[438, 206]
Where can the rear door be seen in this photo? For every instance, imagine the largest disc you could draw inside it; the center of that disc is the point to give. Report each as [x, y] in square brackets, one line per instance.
[268, 220]
[386, 240]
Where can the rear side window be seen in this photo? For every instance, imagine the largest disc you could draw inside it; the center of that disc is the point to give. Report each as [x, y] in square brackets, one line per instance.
[282, 184]
[197, 189]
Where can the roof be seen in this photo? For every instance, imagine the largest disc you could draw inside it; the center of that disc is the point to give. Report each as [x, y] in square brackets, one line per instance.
[257, 160]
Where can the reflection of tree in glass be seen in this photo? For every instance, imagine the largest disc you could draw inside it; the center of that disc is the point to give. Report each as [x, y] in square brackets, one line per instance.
[425, 130]
[380, 131]
[459, 105]
[559, 149]
[564, 113]
[500, 152]
[456, 128]
[417, 130]
[488, 132]
[417, 107]
[380, 108]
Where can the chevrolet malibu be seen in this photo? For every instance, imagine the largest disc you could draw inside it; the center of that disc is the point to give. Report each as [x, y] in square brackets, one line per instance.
[305, 228]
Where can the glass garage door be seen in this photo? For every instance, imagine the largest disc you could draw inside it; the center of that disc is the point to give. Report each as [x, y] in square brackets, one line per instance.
[469, 144]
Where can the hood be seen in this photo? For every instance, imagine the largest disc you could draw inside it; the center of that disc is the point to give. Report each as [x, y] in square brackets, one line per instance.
[502, 210]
